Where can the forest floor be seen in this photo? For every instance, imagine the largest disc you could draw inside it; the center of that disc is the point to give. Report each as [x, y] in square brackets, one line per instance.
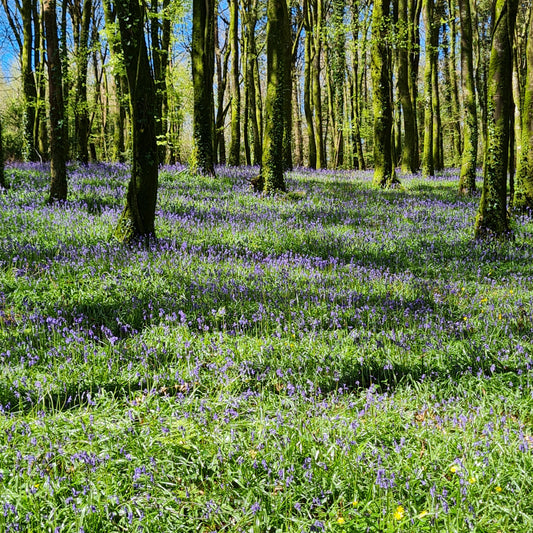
[339, 359]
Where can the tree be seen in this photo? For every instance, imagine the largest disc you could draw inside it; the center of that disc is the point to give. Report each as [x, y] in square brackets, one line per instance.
[523, 197]
[384, 175]
[234, 157]
[138, 217]
[409, 160]
[203, 52]
[81, 13]
[491, 219]
[2, 177]
[29, 89]
[338, 74]
[58, 137]
[467, 180]
[428, 162]
[279, 63]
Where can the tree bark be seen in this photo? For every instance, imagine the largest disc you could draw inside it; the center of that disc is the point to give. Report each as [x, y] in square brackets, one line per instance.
[428, 168]
[491, 220]
[234, 158]
[58, 139]
[338, 74]
[203, 52]
[467, 180]
[523, 197]
[384, 175]
[29, 89]
[278, 92]
[2, 173]
[138, 217]
[308, 96]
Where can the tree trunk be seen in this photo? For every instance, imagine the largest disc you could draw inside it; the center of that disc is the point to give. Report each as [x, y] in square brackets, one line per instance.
[234, 158]
[454, 90]
[81, 115]
[41, 126]
[428, 168]
[308, 96]
[384, 175]
[2, 176]
[467, 180]
[29, 89]
[119, 116]
[138, 218]
[523, 197]
[221, 60]
[203, 52]
[278, 78]
[316, 86]
[58, 140]
[338, 74]
[409, 159]
[491, 220]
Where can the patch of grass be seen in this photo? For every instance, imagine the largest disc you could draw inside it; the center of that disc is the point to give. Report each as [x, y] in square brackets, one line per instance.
[337, 358]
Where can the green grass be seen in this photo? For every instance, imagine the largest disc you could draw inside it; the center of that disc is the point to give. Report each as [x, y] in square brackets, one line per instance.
[339, 359]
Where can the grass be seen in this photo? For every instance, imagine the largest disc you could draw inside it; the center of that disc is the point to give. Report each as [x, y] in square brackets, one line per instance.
[339, 359]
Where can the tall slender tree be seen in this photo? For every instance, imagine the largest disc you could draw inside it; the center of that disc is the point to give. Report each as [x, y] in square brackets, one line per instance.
[234, 157]
[523, 197]
[279, 61]
[2, 176]
[203, 58]
[29, 89]
[491, 219]
[428, 162]
[384, 174]
[138, 217]
[467, 180]
[338, 75]
[58, 137]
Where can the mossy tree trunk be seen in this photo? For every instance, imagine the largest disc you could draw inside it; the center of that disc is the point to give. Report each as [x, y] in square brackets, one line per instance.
[414, 10]
[308, 82]
[438, 162]
[58, 138]
[338, 74]
[491, 220]
[428, 163]
[384, 175]
[234, 157]
[523, 196]
[138, 217]
[120, 83]
[203, 59]
[409, 158]
[279, 63]
[317, 24]
[221, 64]
[29, 88]
[81, 17]
[467, 180]
[355, 91]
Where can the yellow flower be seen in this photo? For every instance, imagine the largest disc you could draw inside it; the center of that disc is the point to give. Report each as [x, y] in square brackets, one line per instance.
[500, 316]
[341, 520]
[423, 513]
[399, 513]
[471, 480]
[498, 488]
[453, 469]
[354, 503]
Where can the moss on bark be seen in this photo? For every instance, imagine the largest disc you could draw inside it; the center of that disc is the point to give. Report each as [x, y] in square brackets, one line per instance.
[491, 220]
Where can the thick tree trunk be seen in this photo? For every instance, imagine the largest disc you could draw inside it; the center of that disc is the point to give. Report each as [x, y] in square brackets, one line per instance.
[491, 220]
[384, 175]
[138, 218]
[467, 180]
[234, 158]
[203, 52]
[414, 9]
[58, 140]
[321, 161]
[523, 197]
[278, 92]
